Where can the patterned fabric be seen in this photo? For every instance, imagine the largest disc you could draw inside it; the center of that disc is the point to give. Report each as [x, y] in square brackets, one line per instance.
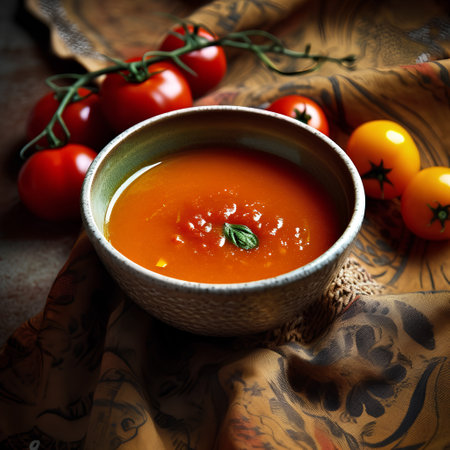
[369, 369]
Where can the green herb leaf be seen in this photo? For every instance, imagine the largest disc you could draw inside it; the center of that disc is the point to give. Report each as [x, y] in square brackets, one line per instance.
[241, 236]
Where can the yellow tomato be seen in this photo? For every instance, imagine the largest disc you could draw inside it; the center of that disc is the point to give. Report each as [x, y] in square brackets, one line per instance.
[386, 157]
[426, 204]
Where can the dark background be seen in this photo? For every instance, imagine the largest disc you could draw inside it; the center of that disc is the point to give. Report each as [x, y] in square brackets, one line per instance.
[31, 251]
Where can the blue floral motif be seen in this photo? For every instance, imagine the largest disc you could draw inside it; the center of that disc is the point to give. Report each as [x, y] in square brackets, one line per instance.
[369, 393]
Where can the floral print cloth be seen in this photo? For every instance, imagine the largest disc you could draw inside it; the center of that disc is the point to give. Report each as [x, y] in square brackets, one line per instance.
[370, 369]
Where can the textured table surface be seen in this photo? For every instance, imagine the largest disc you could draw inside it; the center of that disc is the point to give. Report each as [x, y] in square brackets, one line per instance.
[31, 251]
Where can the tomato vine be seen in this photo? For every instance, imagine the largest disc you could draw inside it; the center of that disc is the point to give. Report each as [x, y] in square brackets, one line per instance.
[136, 71]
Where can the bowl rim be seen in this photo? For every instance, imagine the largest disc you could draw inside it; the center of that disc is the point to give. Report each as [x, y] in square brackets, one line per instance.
[338, 247]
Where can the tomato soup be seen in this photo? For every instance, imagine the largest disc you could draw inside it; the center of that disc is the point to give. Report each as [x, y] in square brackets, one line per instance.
[171, 217]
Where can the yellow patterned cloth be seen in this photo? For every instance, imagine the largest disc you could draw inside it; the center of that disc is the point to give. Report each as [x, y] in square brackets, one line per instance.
[368, 371]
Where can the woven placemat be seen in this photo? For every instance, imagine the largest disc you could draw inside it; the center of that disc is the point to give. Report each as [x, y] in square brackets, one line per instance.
[351, 282]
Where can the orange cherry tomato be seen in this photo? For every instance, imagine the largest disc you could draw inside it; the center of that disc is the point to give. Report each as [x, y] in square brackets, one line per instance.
[425, 204]
[386, 157]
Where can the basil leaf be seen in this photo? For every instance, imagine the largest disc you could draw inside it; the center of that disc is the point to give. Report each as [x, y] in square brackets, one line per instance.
[241, 236]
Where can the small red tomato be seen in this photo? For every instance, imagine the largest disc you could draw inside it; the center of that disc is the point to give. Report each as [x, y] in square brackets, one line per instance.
[50, 181]
[209, 63]
[126, 103]
[303, 109]
[386, 157]
[83, 118]
[426, 203]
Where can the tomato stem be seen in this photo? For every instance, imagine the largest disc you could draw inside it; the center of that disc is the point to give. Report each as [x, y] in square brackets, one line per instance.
[137, 72]
[380, 173]
[302, 116]
[441, 213]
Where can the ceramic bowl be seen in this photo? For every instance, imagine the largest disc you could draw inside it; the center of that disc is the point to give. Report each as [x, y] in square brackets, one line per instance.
[236, 308]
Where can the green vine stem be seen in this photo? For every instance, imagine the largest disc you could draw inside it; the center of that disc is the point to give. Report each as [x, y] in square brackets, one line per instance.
[136, 71]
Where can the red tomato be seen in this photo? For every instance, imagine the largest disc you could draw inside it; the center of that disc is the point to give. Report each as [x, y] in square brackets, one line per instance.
[83, 118]
[49, 181]
[426, 203]
[126, 103]
[303, 109]
[386, 157]
[209, 64]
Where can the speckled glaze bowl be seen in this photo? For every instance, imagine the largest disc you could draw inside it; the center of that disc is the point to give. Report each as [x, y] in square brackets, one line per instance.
[223, 309]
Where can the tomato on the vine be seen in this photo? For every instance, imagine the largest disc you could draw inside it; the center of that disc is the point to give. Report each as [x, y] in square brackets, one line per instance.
[425, 203]
[50, 181]
[83, 118]
[386, 157]
[303, 109]
[125, 103]
[209, 63]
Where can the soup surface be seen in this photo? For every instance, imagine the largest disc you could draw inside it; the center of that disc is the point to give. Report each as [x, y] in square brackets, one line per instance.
[170, 216]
